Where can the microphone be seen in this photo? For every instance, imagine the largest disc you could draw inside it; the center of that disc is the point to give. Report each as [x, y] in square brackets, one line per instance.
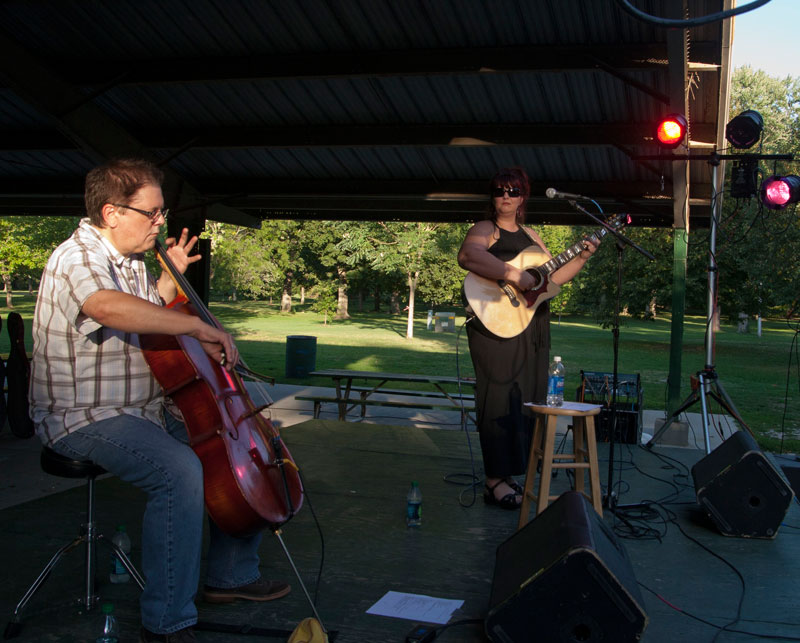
[552, 193]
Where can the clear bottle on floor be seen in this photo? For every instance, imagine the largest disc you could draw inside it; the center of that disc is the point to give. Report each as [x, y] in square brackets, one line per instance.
[110, 628]
[414, 506]
[555, 383]
[118, 572]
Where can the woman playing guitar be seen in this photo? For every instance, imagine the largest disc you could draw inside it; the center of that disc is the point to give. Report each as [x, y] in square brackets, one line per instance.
[510, 367]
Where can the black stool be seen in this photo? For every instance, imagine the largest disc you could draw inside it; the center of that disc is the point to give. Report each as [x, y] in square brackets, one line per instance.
[59, 465]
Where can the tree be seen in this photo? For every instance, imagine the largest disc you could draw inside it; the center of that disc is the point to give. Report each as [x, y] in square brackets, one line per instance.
[325, 301]
[26, 243]
[441, 277]
[394, 246]
[238, 261]
[331, 261]
[758, 250]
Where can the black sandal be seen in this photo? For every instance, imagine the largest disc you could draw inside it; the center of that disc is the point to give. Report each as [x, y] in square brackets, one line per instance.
[508, 501]
[516, 486]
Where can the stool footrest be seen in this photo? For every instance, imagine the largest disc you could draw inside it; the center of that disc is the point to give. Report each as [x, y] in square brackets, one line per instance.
[543, 457]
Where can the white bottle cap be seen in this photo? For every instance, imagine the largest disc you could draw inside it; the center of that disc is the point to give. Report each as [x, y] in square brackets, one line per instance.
[557, 358]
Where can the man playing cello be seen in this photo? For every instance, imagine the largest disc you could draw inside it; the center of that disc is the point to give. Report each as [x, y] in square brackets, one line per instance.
[93, 396]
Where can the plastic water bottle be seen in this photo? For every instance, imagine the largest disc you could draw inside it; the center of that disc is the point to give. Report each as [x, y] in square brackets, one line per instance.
[414, 506]
[118, 572]
[110, 628]
[555, 383]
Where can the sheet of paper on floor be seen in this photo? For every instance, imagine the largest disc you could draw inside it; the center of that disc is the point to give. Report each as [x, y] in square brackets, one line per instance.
[416, 607]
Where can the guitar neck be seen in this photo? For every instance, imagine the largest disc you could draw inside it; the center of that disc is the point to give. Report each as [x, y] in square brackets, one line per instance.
[549, 267]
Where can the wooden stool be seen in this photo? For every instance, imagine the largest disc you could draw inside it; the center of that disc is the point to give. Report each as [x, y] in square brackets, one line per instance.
[583, 456]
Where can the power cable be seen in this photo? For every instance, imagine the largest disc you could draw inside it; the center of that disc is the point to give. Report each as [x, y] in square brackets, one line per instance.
[689, 22]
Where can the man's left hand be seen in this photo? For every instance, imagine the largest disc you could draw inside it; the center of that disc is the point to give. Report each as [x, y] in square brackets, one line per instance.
[178, 252]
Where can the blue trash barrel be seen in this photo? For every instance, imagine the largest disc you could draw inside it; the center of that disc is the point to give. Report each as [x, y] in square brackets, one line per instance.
[301, 355]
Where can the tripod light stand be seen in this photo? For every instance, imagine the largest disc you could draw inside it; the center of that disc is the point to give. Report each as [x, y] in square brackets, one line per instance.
[709, 385]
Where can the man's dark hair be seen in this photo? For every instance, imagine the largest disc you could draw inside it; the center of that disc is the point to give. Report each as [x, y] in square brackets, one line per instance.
[116, 182]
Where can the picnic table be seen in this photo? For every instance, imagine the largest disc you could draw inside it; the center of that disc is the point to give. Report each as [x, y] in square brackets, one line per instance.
[343, 380]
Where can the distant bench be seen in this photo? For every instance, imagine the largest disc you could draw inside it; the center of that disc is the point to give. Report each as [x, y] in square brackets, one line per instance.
[439, 400]
[468, 401]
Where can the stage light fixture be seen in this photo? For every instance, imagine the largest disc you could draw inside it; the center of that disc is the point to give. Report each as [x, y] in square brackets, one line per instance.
[779, 192]
[744, 131]
[671, 131]
[744, 178]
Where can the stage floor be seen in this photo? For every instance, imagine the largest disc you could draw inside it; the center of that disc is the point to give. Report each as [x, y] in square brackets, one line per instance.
[357, 476]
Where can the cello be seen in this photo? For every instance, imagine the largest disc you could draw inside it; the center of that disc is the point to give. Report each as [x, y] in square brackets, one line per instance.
[249, 478]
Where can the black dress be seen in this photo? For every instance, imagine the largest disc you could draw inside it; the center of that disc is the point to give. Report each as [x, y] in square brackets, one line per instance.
[509, 372]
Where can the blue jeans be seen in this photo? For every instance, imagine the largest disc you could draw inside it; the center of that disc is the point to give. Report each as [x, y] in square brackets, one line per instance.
[161, 463]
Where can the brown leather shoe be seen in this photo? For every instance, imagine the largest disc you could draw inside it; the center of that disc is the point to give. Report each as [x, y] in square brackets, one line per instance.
[259, 590]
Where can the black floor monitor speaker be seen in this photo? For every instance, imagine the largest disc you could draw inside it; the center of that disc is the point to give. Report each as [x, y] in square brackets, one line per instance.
[740, 489]
[563, 578]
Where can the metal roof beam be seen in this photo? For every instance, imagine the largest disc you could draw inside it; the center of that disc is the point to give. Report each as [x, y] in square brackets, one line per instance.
[464, 135]
[226, 188]
[543, 58]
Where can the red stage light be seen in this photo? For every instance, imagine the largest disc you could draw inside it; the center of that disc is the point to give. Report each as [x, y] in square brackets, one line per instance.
[779, 192]
[671, 131]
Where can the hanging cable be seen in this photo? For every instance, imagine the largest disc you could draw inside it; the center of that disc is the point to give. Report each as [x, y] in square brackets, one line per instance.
[690, 22]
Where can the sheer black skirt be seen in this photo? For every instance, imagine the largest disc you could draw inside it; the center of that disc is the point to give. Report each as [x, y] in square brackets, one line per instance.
[508, 373]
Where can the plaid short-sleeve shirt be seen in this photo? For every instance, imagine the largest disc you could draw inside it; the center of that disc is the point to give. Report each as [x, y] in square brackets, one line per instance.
[82, 372]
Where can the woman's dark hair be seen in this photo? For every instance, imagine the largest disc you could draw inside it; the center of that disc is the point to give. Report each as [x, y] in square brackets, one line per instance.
[116, 182]
[514, 177]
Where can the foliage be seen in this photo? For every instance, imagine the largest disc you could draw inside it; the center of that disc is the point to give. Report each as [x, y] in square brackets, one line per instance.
[326, 300]
[400, 247]
[27, 242]
[238, 264]
[441, 278]
[759, 249]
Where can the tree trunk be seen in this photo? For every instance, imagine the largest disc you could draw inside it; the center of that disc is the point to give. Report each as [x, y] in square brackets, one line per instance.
[412, 289]
[342, 301]
[7, 284]
[286, 294]
[302, 295]
[361, 300]
[30, 286]
[376, 303]
[394, 303]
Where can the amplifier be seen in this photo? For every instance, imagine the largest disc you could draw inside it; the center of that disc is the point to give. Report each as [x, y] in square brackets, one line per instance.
[596, 388]
[629, 426]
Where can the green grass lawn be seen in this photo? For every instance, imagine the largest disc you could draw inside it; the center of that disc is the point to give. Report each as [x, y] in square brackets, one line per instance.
[753, 370]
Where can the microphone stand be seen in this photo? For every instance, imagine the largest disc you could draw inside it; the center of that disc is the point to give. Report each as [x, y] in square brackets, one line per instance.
[609, 499]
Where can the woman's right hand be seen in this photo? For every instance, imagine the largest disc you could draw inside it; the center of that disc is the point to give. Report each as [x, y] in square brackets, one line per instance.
[522, 279]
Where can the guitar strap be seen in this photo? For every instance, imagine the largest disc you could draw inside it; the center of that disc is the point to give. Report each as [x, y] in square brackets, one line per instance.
[530, 236]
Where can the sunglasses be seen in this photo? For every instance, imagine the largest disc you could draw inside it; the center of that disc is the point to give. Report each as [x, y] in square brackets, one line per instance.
[150, 215]
[512, 192]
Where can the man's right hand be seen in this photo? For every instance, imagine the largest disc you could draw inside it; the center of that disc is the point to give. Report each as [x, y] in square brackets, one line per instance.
[217, 344]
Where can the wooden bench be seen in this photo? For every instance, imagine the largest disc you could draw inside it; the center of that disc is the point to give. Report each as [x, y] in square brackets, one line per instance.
[319, 400]
[365, 391]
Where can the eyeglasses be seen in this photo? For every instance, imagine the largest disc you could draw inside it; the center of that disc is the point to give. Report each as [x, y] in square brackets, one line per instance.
[150, 215]
[512, 192]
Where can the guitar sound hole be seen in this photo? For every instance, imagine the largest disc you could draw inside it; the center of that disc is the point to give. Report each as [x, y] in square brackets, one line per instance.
[537, 277]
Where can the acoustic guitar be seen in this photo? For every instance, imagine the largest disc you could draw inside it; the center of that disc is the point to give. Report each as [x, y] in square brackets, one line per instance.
[505, 310]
